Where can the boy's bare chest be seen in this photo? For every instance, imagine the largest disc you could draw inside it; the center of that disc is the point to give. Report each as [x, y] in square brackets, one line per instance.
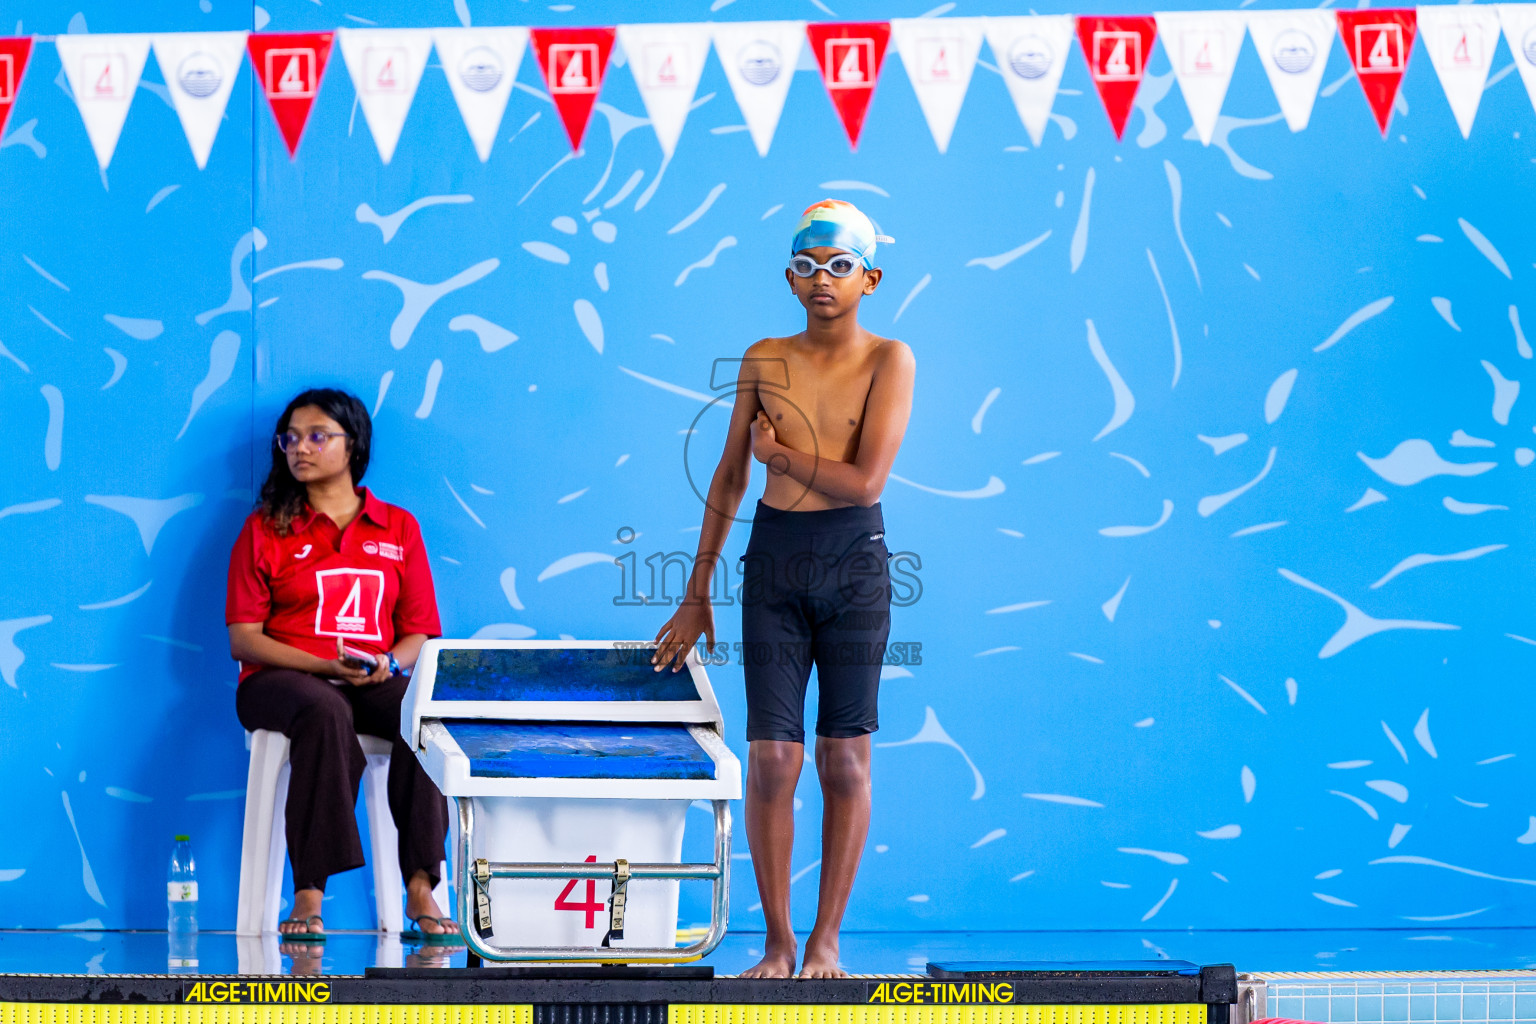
[822, 409]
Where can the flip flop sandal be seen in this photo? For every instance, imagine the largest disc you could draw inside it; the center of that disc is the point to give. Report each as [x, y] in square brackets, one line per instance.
[306, 936]
[444, 938]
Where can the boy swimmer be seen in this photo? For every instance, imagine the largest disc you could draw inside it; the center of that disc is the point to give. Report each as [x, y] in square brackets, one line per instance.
[825, 411]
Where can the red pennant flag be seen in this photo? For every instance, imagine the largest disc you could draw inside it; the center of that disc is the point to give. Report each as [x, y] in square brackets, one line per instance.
[289, 66]
[849, 55]
[573, 61]
[14, 52]
[1379, 43]
[1117, 50]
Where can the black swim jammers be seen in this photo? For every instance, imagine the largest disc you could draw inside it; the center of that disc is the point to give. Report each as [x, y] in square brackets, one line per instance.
[816, 589]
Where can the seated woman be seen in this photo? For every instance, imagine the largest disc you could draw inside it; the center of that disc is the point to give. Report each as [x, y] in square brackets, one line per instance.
[323, 569]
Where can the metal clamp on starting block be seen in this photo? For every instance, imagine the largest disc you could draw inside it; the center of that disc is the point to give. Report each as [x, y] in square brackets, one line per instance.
[560, 757]
[617, 900]
[482, 881]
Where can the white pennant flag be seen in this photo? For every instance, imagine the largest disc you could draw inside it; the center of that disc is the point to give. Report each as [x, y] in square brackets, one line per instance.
[1031, 53]
[759, 58]
[1519, 22]
[667, 61]
[1293, 46]
[103, 73]
[199, 70]
[1203, 46]
[1461, 41]
[386, 66]
[481, 65]
[939, 55]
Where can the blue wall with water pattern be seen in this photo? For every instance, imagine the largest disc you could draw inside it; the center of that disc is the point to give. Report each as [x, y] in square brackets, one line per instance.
[1112, 726]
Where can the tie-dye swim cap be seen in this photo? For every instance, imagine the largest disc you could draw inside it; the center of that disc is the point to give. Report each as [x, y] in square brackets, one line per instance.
[839, 225]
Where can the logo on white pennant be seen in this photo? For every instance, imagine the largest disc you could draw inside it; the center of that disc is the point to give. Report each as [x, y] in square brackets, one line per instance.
[1206, 44]
[759, 59]
[200, 70]
[1033, 49]
[1293, 47]
[939, 57]
[1519, 24]
[1294, 51]
[1030, 57]
[663, 66]
[103, 73]
[385, 65]
[481, 64]
[480, 69]
[200, 75]
[383, 70]
[759, 62]
[666, 61]
[1461, 41]
[1200, 52]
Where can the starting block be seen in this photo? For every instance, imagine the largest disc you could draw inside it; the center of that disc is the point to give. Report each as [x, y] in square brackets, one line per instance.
[572, 765]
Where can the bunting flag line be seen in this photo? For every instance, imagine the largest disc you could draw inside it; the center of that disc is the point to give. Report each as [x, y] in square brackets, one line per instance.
[385, 65]
[1379, 42]
[1460, 40]
[289, 66]
[1203, 46]
[939, 55]
[1293, 47]
[1031, 53]
[759, 58]
[103, 73]
[199, 69]
[1117, 50]
[1519, 24]
[573, 61]
[849, 55]
[666, 60]
[14, 51]
[481, 64]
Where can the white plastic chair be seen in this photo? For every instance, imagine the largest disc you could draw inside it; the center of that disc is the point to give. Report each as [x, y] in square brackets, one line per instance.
[264, 842]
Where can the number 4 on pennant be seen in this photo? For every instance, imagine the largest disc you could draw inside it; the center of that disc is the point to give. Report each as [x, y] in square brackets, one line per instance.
[592, 907]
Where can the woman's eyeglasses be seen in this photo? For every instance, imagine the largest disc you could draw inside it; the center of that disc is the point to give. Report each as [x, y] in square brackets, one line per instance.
[316, 438]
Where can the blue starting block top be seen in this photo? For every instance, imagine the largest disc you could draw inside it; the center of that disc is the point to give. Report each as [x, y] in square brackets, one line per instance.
[572, 674]
[579, 750]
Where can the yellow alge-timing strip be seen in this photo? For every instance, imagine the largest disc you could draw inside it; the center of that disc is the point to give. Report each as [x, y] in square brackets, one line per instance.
[119, 1013]
[769, 1013]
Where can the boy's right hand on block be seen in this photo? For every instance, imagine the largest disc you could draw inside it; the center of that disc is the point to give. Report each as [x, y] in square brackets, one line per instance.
[693, 618]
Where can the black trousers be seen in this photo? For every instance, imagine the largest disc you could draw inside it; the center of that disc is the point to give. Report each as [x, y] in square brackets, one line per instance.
[321, 721]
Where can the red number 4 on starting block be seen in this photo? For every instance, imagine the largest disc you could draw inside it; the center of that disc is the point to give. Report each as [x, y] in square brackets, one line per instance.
[593, 906]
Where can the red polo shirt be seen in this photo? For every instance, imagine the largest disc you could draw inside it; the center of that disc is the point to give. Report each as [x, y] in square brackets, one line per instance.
[367, 584]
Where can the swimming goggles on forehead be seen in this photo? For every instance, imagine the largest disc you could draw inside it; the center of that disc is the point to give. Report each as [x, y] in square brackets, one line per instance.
[842, 264]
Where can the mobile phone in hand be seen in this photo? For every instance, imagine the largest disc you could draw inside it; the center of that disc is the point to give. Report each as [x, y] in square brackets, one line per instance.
[353, 658]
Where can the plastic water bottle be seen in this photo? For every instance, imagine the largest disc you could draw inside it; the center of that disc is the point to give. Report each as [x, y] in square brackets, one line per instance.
[181, 901]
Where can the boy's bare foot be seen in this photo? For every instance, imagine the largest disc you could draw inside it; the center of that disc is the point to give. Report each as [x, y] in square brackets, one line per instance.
[821, 960]
[778, 962]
